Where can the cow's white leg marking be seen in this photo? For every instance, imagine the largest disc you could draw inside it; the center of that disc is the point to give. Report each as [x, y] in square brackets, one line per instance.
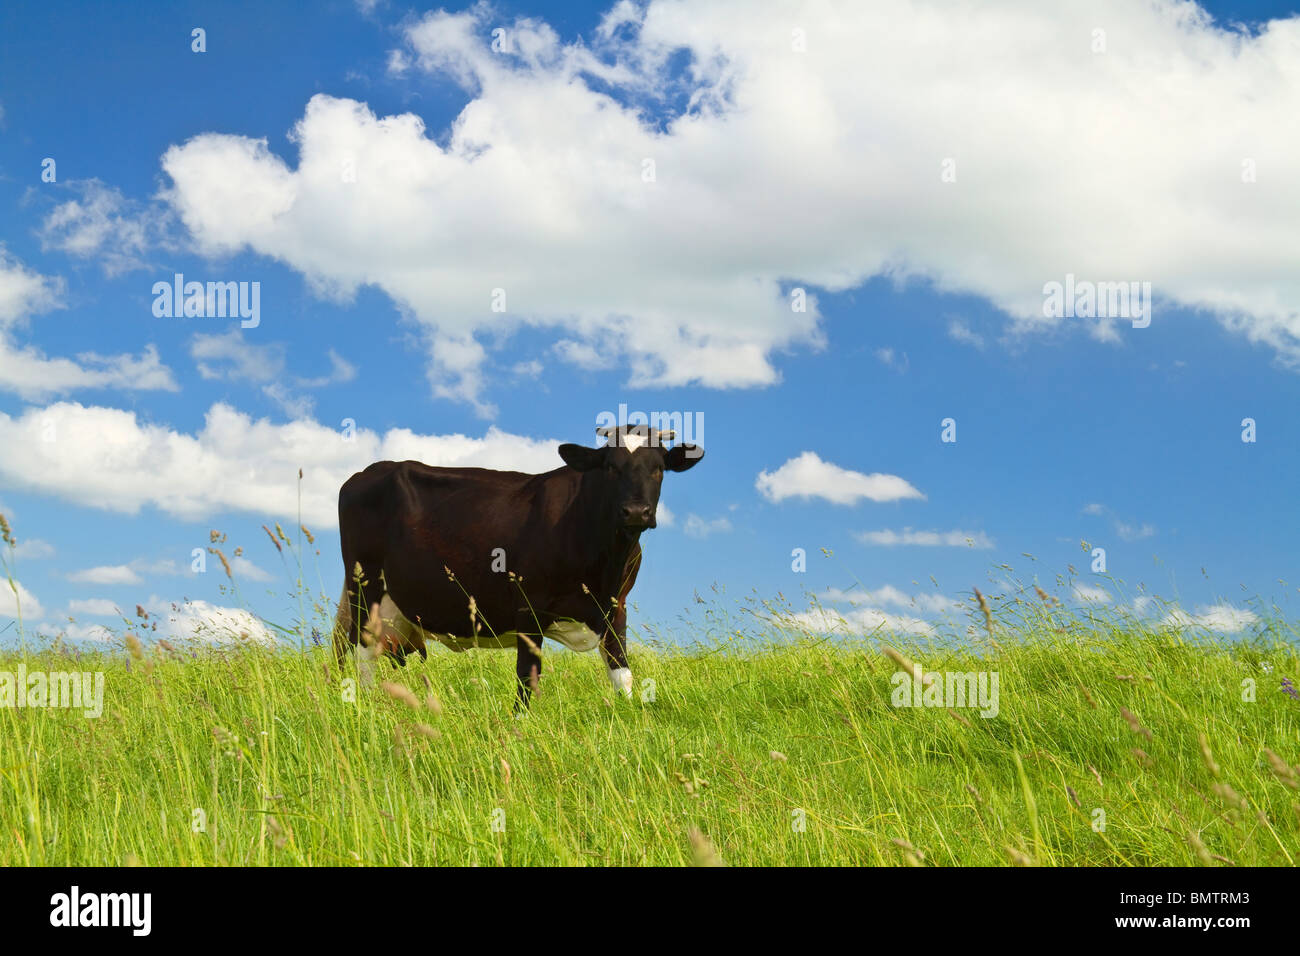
[621, 678]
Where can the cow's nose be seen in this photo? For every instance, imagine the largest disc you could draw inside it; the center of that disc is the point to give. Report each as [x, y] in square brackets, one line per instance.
[637, 514]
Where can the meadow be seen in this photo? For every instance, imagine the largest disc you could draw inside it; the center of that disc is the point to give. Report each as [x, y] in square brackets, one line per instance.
[1113, 745]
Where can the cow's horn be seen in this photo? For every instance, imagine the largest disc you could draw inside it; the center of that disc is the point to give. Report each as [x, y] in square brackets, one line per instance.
[665, 434]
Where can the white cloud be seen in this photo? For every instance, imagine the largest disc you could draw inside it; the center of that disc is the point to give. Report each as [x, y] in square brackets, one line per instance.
[24, 292]
[105, 224]
[341, 371]
[932, 539]
[34, 549]
[93, 607]
[233, 357]
[890, 358]
[807, 476]
[244, 568]
[890, 596]
[29, 373]
[1091, 594]
[858, 620]
[1134, 532]
[1127, 530]
[76, 631]
[106, 574]
[663, 517]
[959, 331]
[697, 527]
[209, 623]
[184, 621]
[10, 603]
[1221, 618]
[108, 458]
[544, 169]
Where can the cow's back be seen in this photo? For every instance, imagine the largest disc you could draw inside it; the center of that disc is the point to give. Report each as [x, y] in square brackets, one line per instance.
[411, 521]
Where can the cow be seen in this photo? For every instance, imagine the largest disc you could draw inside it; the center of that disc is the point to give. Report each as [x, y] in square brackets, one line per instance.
[472, 557]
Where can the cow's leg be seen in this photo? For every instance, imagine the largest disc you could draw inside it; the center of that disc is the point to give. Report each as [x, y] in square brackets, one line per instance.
[528, 658]
[613, 648]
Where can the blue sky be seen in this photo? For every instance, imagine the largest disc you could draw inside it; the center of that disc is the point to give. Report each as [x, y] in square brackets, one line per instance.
[428, 169]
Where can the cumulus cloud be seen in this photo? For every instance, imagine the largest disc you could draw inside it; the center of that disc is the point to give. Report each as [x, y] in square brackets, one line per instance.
[697, 527]
[29, 373]
[246, 569]
[112, 459]
[34, 549]
[774, 165]
[890, 596]
[104, 224]
[664, 517]
[93, 607]
[888, 538]
[75, 631]
[23, 600]
[25, 292]
[1220, 618]
[807, 476]
[106, 574]
[233, 357]
[209, 623]
[865, 620]
[1091, 594]
[181, 621]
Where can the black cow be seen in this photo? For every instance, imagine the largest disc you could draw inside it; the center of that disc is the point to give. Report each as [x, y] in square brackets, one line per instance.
[474, 557]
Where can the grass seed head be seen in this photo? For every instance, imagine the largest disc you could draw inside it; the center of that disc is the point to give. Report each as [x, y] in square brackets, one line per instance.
[399, 692]
[702, 851]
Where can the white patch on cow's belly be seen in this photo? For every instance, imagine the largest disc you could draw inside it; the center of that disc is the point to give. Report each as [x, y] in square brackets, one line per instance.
[572, 634]
[621, 678]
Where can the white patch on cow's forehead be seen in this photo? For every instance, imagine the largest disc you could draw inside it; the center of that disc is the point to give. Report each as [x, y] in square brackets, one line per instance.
[633, 441]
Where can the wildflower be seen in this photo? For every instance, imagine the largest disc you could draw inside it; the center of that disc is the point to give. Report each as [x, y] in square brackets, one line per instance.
[1288, 688]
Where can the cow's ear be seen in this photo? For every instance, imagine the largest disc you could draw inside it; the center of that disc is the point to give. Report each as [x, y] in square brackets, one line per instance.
[581, 457]
[682, 457]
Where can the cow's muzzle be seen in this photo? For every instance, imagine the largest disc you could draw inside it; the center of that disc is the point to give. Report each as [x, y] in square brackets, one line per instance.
[636, 516]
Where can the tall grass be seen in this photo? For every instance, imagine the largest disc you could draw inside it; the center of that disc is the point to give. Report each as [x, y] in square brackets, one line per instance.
[786, 754]
[1116, 742]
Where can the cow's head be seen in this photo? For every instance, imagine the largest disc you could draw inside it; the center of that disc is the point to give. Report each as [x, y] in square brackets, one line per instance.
[627, 474]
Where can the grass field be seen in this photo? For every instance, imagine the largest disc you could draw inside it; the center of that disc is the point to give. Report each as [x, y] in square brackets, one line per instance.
[1111, 746]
